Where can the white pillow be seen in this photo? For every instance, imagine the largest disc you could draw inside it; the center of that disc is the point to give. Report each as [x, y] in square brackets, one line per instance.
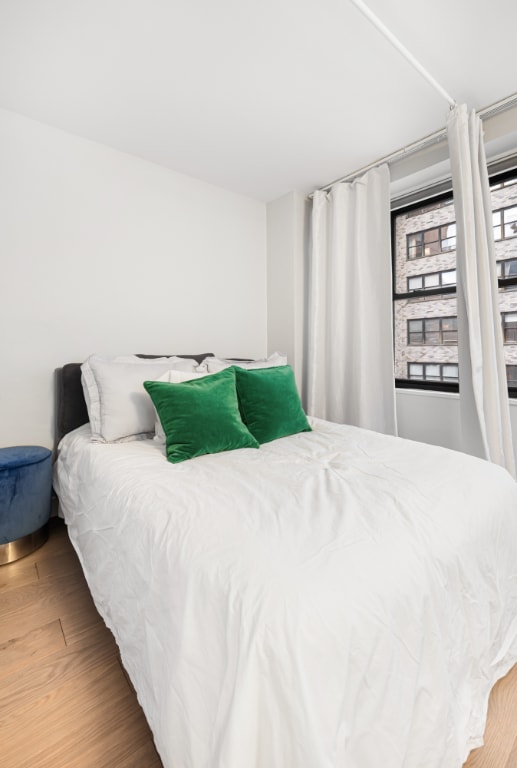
[90, 391]
[219, 363]
[173, 377]
[119, 408]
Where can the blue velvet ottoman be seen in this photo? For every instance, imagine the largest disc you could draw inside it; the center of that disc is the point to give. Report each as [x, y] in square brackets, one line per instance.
[25, 498]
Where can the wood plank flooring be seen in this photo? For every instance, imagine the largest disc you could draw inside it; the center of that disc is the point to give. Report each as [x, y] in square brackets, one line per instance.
[65, 701]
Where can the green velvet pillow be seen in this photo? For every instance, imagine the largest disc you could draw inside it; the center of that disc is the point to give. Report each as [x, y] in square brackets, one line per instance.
[269, 402]
[200, 416]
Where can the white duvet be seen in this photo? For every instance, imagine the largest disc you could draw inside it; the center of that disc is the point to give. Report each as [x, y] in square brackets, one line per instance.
[335, 599]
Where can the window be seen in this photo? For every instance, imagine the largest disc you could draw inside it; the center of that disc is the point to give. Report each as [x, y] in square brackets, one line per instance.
[511, 375]
[433, 330]
[510, 327]
[434, 280]
[447, 372]
[505, 223]
[430, 242]
[507, 268]
[424, 286]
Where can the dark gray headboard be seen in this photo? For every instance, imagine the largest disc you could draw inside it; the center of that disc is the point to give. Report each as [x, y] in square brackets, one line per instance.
[70, 403]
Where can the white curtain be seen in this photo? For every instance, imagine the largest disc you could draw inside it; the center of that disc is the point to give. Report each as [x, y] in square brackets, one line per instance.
[350, 377]
[484, 407]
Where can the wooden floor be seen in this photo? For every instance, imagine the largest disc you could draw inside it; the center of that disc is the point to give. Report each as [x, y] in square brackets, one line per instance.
[500, 749]
[65, 701]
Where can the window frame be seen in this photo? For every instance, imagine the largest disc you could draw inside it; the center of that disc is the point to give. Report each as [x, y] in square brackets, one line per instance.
[511, 365]
[440, 365]
[441, 284]
[503, 223]
[442, 290]
[502, 277]
[506, 327]
[422, 242]
[439, 331]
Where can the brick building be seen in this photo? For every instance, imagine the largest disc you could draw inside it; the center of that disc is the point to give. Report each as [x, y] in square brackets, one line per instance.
[425, 262]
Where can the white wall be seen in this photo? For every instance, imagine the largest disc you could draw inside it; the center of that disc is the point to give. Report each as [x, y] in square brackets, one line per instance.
[104, 252]
[429, 417]
[434, 417]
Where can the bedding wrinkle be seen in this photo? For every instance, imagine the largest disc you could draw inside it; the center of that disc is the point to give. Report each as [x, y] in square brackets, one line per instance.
[331, 597]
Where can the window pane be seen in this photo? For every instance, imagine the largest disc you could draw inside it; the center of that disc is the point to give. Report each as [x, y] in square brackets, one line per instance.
[510, 214]
[449, 277]
[432, 324]
[510, 221]
[431, 249]
[449, 244]
[448, 236]
[433, 337]
[497, 233]
[414, 283]
[414, 245]
[449, 323]
[432, 372]
[511, 375]
[415, 325]
[511, 268]
[450, 372]
[510, 327]
[432, 281]
[431, 236]
[416, 371]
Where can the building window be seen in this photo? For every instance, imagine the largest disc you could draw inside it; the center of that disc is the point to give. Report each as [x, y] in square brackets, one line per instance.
[507, 268]
[511, 375]
[432, 280]
[505, 223]
[424, 285]
[432, 330]
[446, 372]
[430, 242]
[510, 327]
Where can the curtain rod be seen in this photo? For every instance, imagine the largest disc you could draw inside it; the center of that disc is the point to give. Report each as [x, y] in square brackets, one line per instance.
[383, 29]
[421, 144]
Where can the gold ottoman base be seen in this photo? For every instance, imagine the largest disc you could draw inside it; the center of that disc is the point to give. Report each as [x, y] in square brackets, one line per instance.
[23, 546]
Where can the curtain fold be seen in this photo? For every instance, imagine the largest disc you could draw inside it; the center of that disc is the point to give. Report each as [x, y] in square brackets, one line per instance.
[350, 347]
[484, 406]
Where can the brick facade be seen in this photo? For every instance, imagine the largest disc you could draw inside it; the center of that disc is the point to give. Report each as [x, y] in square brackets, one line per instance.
[418, 220]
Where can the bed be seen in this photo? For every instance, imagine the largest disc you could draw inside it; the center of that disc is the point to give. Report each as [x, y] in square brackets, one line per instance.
[336, 599]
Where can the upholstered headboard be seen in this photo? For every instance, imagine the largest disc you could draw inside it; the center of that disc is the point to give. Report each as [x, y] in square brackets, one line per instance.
[70, 403]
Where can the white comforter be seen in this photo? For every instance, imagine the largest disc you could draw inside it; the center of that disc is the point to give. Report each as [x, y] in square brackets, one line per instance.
[336, 599]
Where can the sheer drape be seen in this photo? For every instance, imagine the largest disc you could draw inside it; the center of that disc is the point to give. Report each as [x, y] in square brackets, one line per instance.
[350, 351]
[485, 415]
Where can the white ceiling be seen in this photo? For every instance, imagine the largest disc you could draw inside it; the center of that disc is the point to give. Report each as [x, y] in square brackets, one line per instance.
[257, 96]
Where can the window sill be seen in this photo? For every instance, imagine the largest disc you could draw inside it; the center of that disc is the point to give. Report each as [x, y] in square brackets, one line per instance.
[417, 392]
[426, 393]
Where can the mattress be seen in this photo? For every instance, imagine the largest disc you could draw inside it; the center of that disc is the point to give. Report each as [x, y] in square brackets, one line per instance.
[335, 599]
